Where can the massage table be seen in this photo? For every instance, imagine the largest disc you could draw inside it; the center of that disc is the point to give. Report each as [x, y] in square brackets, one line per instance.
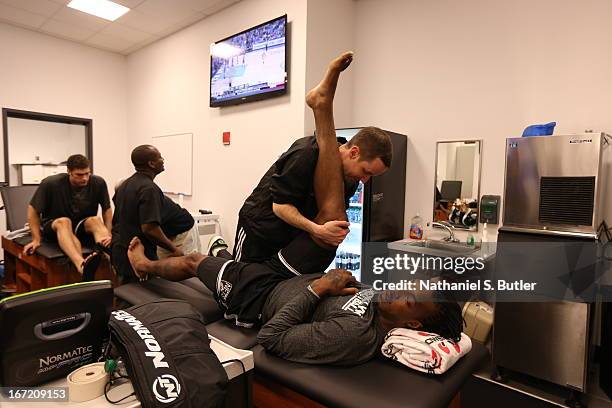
[379, 382]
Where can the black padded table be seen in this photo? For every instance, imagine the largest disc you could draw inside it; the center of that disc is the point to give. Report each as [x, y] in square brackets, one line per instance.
[49, 250]
[379, 383]
[227, 332]
[155, 288]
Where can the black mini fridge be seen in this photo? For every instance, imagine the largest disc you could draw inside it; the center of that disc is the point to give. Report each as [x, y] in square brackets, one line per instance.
[376, 210]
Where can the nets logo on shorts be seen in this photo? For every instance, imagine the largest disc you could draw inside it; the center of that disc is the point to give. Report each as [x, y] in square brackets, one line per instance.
[224, 290]
[166, 388]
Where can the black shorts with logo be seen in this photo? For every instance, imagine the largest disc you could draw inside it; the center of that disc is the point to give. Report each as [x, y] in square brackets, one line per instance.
[78, 229]
[241, 289]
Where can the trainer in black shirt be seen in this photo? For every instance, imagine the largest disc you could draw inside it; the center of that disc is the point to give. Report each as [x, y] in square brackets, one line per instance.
[139, 211]
[283, 203]
[64, 208]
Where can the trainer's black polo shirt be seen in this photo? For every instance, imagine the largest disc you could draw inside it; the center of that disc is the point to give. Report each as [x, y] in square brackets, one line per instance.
[288, 181]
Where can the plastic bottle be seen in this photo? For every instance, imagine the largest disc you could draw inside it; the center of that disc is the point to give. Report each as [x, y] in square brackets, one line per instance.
[471, 240]
[343, 261]
[416, 227]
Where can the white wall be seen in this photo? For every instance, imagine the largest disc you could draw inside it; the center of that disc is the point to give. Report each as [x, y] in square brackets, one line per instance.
[168, 93]
[330, 31]
[33, 141]
[479, 69]
[45, 74]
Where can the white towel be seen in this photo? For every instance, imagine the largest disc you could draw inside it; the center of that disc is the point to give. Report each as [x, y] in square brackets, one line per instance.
[422, 351]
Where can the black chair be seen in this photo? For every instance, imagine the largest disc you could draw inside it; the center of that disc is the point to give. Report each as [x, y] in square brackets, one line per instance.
[450, 190]
[16, 200]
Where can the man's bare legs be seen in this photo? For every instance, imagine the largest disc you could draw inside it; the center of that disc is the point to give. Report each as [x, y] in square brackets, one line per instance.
[95, 227]
[68, 242]
[174, 268]
[328, 177]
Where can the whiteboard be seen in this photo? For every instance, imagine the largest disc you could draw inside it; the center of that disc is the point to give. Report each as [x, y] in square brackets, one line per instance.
[177, 151]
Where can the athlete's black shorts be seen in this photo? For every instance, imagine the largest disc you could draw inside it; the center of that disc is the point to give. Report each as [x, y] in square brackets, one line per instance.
[302, 256]
[78, 229]
[241, 289]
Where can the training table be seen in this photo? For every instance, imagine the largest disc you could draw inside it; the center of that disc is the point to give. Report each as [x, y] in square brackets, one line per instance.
[380, 382]
[48, 267]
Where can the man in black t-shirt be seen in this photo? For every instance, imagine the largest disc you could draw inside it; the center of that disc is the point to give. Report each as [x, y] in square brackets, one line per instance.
[283, 204]
[64, 208]
[140, 211]
[178, 225]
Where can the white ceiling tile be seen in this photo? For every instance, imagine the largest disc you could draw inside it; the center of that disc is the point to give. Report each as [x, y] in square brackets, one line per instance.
[20, 17]
[218, 6]
[66, 30]
[125, 32]
[143, 22]
[43, 7]
[198, 5]
[80, 19]
[183, 24]
[109, 42]
[129, 3]
[172, 12]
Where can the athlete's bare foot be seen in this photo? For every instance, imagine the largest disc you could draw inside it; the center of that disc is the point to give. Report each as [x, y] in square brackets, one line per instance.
[138, 259]
[322, 95]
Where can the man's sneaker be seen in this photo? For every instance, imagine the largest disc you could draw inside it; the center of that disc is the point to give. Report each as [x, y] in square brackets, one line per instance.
[215, 244]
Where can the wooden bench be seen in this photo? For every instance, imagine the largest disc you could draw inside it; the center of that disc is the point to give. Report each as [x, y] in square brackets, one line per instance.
[46, 268]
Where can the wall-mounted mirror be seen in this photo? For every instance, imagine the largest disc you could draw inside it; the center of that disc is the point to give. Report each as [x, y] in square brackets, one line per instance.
[457, 183]
[36, 145]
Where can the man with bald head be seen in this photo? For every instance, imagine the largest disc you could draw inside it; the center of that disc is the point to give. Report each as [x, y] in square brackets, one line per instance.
[138, 211]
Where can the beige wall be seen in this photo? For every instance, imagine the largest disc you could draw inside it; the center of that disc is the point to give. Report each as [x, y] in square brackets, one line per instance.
[168, 93]
[45, 74]
[330, 31]
[434, 71]
[479, 69]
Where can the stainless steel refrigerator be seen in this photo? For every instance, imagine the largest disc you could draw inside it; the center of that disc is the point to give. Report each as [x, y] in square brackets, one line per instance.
[376, 210]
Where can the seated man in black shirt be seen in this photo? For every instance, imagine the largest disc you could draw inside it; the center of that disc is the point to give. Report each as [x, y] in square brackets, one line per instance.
[180, 227]
[140, 212]
[314, 318]
[67, 204]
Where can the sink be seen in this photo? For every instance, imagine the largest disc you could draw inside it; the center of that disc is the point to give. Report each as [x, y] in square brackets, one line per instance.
[435, 248]
[453, 247]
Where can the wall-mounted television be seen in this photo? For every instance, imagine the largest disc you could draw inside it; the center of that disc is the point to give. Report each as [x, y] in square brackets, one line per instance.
[250, 65]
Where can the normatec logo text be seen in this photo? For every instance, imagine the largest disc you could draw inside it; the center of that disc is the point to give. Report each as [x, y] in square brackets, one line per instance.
[150, 342]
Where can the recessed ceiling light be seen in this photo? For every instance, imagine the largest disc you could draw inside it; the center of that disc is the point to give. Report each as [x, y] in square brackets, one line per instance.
[101, 8]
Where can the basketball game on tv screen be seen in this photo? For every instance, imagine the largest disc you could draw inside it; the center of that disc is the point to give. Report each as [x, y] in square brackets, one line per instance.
[249, 65]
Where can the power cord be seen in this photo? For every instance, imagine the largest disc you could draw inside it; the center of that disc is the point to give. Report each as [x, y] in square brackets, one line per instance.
[110, 383]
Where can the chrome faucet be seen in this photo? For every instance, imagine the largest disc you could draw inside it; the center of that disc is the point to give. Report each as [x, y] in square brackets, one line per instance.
[447, 227]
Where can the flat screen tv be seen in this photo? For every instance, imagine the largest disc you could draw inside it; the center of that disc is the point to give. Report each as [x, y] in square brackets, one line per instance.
[250, 65]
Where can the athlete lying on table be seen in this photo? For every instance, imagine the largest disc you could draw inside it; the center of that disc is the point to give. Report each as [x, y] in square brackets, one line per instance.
[309, 317]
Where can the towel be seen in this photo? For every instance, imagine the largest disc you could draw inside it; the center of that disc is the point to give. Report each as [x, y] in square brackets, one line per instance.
[425, 352]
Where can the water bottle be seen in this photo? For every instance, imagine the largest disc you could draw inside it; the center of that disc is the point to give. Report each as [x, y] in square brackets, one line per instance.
[357, 262]
[338, 260]
[351, 264]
